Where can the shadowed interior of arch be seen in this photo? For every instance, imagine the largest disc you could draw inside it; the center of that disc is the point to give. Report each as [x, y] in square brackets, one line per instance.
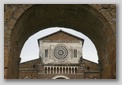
[83, 18]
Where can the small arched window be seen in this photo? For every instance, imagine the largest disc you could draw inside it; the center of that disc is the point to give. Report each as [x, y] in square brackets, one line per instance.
[88, 67]
[46, 52]
[75, 53]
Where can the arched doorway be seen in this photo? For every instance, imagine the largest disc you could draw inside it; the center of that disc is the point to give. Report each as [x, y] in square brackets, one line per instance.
[83, 18]
[60, 77]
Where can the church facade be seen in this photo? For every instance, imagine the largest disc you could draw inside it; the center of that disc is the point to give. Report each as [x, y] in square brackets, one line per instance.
[60, 57]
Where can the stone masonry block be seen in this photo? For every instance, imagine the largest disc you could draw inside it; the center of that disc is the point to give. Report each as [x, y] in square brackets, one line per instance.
[7, 14]
[5, 73]
[26, 6]
[18, 12]
[107, 15]
[6, 53]
[11, 23]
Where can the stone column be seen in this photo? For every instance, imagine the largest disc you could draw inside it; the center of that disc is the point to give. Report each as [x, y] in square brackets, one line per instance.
[53, 70]
[74, 70]
[56, 70]
[50, 70]
[62, 70]
[71, 70]
[47, 70]
[68, 70]
[59, 70]
[65, 70]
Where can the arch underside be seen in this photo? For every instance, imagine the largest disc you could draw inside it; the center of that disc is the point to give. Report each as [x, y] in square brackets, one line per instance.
[60, 77]
[82, 18]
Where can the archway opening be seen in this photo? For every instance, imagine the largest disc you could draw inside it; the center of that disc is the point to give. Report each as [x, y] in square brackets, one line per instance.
[30, 52]
[60, 77]
[83, 18]
[30, 49]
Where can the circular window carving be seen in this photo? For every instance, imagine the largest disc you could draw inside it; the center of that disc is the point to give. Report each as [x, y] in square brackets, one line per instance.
[60, 52]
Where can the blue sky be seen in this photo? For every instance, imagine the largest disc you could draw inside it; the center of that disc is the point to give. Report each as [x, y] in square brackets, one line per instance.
[30, 49]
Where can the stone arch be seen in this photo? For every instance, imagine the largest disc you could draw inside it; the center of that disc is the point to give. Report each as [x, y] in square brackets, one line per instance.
[22, 21]
[60, 77]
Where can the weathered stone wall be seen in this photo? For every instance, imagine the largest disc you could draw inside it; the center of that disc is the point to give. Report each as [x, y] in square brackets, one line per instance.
[52, 54]
[30, 64]
[100, 21]
[90, 66]
[57, 39]
[13, 11]
[92, 75]
[62, 35]
[31, 70]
